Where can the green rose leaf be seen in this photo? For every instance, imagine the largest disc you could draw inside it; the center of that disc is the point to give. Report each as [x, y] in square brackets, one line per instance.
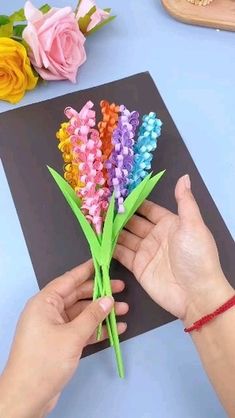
[18, 30]
[6, 30]
[4, 20]
[18, 16]
[45, 8]
[84, 21]
[98, 27]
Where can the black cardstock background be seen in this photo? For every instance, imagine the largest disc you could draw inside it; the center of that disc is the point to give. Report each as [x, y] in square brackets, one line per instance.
[53, 236]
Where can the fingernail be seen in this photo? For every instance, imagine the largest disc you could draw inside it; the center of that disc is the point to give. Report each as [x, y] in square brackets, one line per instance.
[187, 182]
[122, 326]
[106, 303]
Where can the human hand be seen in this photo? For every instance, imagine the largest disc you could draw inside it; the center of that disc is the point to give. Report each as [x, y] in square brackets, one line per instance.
[174, 257]
[52, 331]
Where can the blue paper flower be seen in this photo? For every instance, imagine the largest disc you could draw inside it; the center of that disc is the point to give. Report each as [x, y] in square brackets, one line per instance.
[146, 143]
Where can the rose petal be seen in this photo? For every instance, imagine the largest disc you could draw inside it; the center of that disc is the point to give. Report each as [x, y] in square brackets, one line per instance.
[55, 17]
[98, 16]
[31, 37]
[31, 12]
[84, 7]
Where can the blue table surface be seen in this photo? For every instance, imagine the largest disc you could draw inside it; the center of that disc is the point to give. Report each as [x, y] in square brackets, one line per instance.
[194, 71]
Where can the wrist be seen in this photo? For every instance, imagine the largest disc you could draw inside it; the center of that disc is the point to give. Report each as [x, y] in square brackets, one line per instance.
[211, 296]
[15, 401]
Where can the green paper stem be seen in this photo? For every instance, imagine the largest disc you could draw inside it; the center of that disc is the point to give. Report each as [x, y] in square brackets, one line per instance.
[106, 244]
[96, 279]
[113, 323]
[96, 296]
[99, 292]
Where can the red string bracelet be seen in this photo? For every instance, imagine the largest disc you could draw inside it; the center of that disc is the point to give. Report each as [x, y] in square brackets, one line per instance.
[207, 318]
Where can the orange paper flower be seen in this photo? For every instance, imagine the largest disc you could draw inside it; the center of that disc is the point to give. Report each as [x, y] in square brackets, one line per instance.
[107, 126]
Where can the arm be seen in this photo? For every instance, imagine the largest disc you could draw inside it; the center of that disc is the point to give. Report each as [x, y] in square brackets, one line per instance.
[175, 259]
[215, 342]
[53, 330]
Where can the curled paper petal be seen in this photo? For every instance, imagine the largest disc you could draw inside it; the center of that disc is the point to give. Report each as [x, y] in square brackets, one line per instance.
[121, 159]
[146, 143]
[107, 126]
[81, 147]
[100, 164]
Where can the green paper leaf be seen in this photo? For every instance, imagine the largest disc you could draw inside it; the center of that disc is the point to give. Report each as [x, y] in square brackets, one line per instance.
[18, 16]
[86, 227]
[64, 186]
[45, 8]
[107, 9]
[74, 203]
[4, 20]
[149, 187]
[18, 30]
[106, 244]
[129, 204]
[134, 201]
[6, 30]
[84, 21]
[98, 27]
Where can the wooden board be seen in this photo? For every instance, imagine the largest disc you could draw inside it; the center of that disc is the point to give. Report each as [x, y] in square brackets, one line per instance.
[219, 14]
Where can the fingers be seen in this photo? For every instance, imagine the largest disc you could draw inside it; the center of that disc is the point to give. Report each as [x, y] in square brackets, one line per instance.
[68, 282]
[121, 308]
[153, 212]
[125, 256]
[139, 226]
[188, 209]
[121, 326]
[85, 291]
[129, 240]
[86, 323]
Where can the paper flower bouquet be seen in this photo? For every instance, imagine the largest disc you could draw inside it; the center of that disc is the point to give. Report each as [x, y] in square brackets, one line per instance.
[105, 180]
[45, 43]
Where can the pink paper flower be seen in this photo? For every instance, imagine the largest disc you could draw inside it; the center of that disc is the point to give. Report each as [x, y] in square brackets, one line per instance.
[87, 155]
[97, 17]
[56, 43]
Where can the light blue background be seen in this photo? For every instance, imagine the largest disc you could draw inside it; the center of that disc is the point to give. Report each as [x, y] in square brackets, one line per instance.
[194, 70]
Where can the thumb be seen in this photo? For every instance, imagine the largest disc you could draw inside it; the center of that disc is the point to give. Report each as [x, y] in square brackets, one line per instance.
[86, 323]
[188, 209]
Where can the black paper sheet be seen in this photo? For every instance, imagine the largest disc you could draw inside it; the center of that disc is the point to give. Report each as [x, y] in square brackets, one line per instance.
[53, 236]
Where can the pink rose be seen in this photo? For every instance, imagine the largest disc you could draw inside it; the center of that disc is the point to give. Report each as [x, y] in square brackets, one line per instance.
[97, 17]
[56, 43]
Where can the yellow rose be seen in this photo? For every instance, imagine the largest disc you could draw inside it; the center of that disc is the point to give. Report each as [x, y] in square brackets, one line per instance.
[16, 74]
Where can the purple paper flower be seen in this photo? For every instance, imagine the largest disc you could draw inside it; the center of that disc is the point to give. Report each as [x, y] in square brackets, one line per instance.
[121, 161]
